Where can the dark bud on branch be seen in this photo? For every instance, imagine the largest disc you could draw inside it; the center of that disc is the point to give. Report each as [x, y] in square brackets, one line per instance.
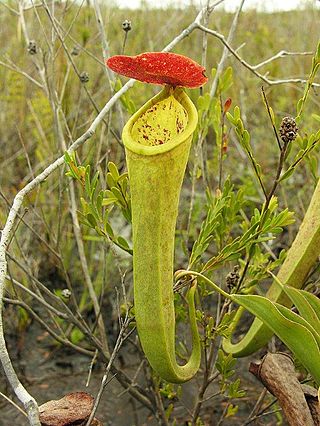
[84, 77]
[233, 278]
[32, 47]
[126, 25]
[288, 129]
[75, 51]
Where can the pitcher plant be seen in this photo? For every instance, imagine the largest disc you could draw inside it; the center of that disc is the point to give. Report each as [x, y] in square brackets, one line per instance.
[157, 140]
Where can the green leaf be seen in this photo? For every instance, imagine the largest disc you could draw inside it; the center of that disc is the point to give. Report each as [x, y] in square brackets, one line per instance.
[301, 302]
[113, 170]
[226, 80]
[108, 229]
[246, 139]
[313, 300]
[110, 181]
[67, 158]
[123, 242]
[292, 329]
[234, 391]
[299, 106]
[236, 113]
[93, 185]
[272, 116]
[318, 52]
[225, 364]
[87, 180]
[76, 336]
[232, 410]
[92, 220]
[117, 193]
[286, 174]
[109, 200]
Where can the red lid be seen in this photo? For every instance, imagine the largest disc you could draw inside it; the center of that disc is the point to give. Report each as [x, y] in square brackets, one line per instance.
[160, 68]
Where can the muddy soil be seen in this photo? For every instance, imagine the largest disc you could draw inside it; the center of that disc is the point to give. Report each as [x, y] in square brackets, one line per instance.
[49, 372]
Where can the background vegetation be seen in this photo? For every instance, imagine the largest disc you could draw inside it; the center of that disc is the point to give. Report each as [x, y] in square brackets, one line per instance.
[49, 94]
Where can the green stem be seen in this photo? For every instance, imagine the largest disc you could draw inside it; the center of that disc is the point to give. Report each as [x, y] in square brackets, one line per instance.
[182, 273]
[156, 174]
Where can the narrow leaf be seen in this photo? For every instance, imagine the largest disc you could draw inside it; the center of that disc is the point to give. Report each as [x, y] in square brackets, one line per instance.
[301, 303]
[291, 329]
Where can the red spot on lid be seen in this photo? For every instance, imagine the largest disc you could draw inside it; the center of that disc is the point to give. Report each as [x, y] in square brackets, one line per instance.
[160, 68]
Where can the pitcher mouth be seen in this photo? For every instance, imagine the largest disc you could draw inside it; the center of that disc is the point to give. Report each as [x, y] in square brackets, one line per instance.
[163, 123]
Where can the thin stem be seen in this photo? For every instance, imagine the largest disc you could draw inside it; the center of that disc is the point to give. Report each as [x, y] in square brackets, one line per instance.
[14, 404]
[279, 170]
[271, 119]
[124, 42]
[257, 174]
[182, 273]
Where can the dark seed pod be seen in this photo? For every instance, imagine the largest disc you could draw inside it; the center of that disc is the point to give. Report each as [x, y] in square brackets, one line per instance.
[75, 51]
[32, 47]
[288, 129]
[233, 278]
[126, 25]
[84, 77]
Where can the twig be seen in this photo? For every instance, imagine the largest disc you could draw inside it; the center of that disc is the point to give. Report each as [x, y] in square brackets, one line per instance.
[270, 117]
[13, 403]
[15, 12]
[18, 70]
[251, 68]
[224, 55]
[257, 404]
[47, 305]
[94, 358]
[281, 54]
[105, 44]
[56, 336]
[121, 338]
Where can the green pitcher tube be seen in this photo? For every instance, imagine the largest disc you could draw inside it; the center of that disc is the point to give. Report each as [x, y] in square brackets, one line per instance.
[302, 255]
[157, 139]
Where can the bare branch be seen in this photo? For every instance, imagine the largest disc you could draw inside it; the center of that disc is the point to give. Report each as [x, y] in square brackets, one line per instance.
[18, 70]
[225, 50]
[281, 54]
[251, 68]
[15, 12]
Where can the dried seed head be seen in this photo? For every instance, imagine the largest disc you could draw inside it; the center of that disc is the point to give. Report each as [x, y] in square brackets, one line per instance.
[32, 47]
[233, 278]
[126, 25]
[288, 129]
[84, 77]
[75, 51]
